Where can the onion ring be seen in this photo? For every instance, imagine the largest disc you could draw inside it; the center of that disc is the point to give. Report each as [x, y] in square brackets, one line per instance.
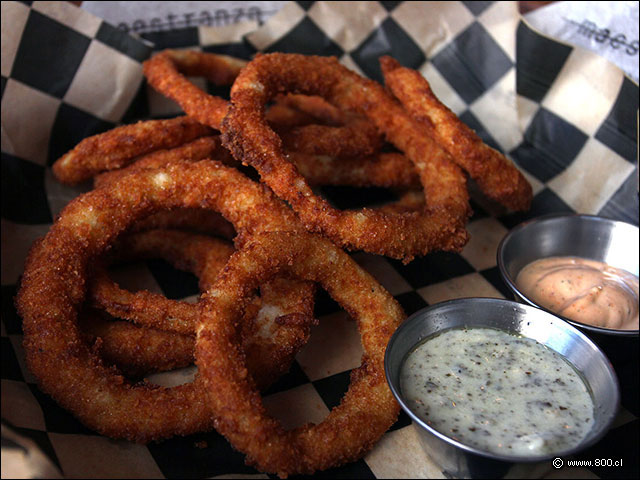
[497, 177]
[199, 149]
[382, 170]
[134, 350]
[54, 286]
[197, 220]
[119, 146]
[440, 225]
[205, 256]
[166, 71]
[356, 138]
[201, 255]
[387, 170]
[368, 408]
[287, 117]
[315, 106]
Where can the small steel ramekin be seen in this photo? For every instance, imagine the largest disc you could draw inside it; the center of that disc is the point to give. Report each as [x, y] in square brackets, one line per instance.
[463, 461]
[588, 236]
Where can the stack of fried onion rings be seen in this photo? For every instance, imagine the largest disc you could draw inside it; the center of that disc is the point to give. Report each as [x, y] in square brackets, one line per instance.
[167, 72]
[54, 286]
[300, 122]
[439, 225]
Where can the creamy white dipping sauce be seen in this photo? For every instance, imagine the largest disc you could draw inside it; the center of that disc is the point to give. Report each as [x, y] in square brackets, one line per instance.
[497, 392]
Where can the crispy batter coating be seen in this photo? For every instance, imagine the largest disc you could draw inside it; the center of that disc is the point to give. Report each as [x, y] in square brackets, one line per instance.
[315, 106]
[167, 72]
[497, 177]
[201, 255]
[368, 408]
[135, 350]
[197, 220]
[199, 149]
[438, 226]
[345, 135]
[358, 137]
[119, 146]
[387, 170]
[54, 287]
[283, 117]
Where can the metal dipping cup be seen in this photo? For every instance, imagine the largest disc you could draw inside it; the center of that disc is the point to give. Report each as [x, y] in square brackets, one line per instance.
[462, 461]
[587, 236]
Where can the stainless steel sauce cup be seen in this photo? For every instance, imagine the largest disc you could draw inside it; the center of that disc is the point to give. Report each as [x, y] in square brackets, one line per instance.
[459, 460]
[587, 236]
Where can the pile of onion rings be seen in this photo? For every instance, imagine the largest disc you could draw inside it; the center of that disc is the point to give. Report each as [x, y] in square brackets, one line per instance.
[166, 187]
[54, 284]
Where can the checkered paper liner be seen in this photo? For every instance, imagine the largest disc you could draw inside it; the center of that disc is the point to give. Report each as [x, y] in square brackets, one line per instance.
[566, 117]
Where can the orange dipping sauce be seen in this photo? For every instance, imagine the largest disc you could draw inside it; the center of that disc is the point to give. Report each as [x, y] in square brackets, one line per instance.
[583, 290]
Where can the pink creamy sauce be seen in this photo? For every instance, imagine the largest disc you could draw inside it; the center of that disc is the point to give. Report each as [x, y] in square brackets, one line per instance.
[583, 290]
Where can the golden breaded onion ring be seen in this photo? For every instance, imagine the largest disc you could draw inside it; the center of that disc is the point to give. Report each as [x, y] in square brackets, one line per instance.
[135, 351]
[270, 339]
[167, 73]
[201, 255]
[199, 149]
[439, 225]
[367, 409]
[385, 170]
[497, 177]
[120, 146]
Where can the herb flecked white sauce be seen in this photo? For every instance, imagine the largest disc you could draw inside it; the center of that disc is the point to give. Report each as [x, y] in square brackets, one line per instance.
[497, 392]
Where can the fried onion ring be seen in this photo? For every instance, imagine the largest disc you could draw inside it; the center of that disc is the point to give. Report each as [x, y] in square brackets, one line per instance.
[358, 137]
[54, 284]
[368, 408]
[390, 170]
[355, 137]
[205, 256]
[314, 106]
[166, 72]
[197, 220]
[438, 226]
[497, 177]
[285, 116]
[387, 170]
[199, 149]
[201, 255]
[134, 350]
[119, 146]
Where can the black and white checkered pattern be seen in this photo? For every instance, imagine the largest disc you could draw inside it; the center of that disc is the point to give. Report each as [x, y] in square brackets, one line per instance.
[567, 118]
